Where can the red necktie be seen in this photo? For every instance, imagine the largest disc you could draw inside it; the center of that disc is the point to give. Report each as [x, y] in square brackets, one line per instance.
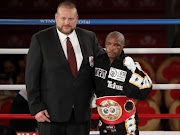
[71, 57]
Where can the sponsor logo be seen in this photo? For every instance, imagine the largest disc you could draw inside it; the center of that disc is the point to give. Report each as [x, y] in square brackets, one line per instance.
[99, 72]
[48, 21]
[53, 21]
[117, 74]
[104, 131]
[114, 85]
[81, 21]
[27, 133]
[110, 127]
[91, 61]
[100, 123]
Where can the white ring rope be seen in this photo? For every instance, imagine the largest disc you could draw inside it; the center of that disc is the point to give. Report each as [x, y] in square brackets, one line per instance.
[152, 50]
[127, 51]
[14, 51]
[13, 87]
[155, 87]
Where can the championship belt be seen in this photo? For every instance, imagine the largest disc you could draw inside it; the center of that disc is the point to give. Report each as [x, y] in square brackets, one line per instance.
[115, 109]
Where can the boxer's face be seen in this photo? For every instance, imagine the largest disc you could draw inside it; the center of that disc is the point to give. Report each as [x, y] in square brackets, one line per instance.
[114, 47]
[66, 20]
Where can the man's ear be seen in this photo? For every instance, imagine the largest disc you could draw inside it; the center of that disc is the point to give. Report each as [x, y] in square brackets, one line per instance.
[124, 62]
[55, 16]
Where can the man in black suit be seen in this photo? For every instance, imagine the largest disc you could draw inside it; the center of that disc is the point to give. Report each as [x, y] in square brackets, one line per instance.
[59, 93]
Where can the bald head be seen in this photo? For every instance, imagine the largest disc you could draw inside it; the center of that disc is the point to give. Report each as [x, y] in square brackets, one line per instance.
[67, 5]
[119, 36]
[114, 45]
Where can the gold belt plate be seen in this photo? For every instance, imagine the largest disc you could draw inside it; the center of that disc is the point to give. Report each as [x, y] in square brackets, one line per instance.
[109, 110]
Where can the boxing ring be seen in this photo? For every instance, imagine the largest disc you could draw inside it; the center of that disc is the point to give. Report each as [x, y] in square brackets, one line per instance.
[127, 51]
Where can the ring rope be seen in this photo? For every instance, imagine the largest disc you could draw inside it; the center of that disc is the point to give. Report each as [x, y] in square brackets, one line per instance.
[141, 133]
[91, 21]
[155, 87]
[126, 50]
[94, 116]
[97, 133]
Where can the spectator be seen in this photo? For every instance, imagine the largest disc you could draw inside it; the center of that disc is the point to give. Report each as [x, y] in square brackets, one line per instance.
[20, 106]
[4, 130]
[10, 69]
[3, 81]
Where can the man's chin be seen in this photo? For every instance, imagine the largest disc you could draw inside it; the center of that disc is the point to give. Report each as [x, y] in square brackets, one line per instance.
[67, 32]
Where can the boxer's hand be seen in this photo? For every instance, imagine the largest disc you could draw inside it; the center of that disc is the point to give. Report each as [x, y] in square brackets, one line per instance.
[129, 63]
[42, 116]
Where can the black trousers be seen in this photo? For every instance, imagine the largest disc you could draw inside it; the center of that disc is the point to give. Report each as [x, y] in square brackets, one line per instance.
[71, 127]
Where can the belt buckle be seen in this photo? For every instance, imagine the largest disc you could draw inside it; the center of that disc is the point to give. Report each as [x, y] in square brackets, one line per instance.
[109, 110]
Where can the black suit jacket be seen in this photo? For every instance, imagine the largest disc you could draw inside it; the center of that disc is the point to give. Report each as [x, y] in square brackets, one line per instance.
[50, 83]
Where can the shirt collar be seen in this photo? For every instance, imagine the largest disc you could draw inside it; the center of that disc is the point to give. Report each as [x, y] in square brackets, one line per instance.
[23, 95]
[63, 37]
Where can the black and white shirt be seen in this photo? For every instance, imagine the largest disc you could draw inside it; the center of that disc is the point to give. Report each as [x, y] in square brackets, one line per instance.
[114, 78]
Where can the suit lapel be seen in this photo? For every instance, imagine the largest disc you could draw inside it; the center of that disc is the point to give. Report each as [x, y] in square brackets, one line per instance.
[83, 45]
[56, 40]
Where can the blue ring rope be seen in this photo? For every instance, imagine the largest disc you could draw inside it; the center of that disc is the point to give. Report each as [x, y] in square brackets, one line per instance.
[92, 21]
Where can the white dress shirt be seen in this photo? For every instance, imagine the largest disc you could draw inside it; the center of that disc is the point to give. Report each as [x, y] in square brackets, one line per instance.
[23, 95]
[75, 43]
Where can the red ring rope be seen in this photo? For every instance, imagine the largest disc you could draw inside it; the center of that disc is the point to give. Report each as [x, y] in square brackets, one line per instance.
[94, 116]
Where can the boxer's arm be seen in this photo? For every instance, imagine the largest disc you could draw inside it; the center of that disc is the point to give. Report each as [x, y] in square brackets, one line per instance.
[140, 84]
